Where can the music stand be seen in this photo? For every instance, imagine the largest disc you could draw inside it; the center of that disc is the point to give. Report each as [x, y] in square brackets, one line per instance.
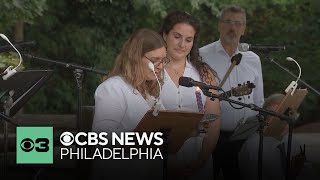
[275, 127]
[24, 84]
[288, 105]
[261, 124]
[244, 131]
[175, 126]
[20, 87]
[291, 102]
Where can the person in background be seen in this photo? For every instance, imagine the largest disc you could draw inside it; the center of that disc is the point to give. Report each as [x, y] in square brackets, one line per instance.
[121, 101]
[180, 30]
[231, 26]
[274, 150]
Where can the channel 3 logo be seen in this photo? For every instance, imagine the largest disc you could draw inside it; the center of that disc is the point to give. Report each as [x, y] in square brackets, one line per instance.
[34, 145]
[28, 145]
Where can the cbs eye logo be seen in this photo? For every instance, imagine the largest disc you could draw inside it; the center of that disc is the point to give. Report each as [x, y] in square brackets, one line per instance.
[40, 145]
[66, 138]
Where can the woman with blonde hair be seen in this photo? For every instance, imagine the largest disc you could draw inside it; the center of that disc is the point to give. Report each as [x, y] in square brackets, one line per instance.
[121, 101]
[124, 97]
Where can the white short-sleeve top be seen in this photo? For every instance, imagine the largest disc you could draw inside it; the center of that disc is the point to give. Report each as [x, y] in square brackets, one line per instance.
[118, 106]
[181, 98]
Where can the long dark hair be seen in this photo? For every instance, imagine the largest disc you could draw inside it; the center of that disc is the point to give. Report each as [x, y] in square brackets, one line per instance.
[195, 59]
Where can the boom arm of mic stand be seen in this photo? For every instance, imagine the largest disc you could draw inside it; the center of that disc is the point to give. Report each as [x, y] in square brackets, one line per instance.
[78, 74]
[67, 65]
[300, 80]
[251, 106]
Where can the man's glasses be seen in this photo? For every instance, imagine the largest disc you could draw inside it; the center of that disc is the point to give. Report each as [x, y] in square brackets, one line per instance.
[230, 22]
[157, 62]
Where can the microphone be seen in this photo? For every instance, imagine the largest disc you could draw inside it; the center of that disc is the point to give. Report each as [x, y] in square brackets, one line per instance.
[151, 67]
[10, 71]
[189, 82]
[294, 84]
[157, 105]
[19, 45]
[236, 59]
[258, 47]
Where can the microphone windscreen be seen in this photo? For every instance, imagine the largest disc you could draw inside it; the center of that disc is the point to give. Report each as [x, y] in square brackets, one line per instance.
[236, 58]
[151, 66]
[243, 47]
[289, 59]
[185, 81]
[4, 37]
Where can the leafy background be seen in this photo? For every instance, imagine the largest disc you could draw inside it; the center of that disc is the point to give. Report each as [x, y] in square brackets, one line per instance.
[91, 32]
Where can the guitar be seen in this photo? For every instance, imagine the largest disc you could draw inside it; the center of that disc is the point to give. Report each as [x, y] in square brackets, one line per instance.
[241, 90]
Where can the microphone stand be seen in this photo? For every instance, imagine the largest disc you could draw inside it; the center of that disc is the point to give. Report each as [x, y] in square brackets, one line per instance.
[78, 75]
[5, 144]
[78, 71]
[261, 126]
[6, 118]
[4, 104]
[285, 69]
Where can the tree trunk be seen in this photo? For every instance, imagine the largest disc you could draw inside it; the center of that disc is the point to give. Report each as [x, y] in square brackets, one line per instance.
[18, 31]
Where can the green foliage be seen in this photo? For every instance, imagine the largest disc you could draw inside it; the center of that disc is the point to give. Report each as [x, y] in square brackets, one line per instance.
[295, 27]
[91, 33]
[88, 34]
[13, 10]
[10, 59]
[155, 6]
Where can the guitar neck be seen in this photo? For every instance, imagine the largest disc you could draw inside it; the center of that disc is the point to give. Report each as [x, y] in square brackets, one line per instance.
[240, 90]
[226, 94]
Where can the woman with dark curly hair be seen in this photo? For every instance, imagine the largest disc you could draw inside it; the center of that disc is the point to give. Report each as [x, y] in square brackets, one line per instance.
[180, 30]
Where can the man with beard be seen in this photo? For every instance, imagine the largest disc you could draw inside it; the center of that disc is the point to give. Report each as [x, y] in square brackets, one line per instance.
[232, 24]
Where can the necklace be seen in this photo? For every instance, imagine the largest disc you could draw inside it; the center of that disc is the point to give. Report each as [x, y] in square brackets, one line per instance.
[175, 71]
